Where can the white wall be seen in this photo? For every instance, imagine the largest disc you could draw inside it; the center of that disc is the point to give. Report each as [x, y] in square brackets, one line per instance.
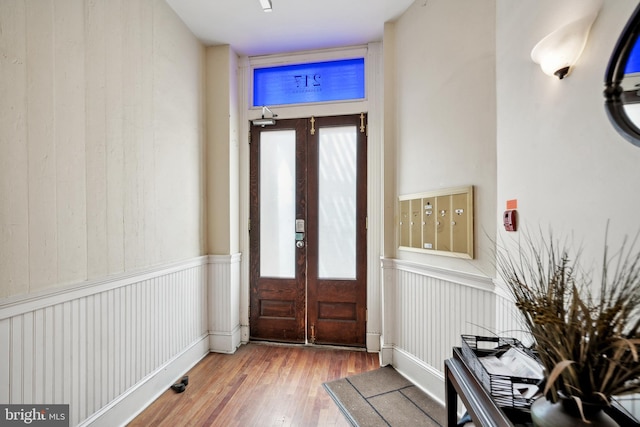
[470, 107]
[440, 132]
[101, 141]
[557, 152]
[445, 113]
[222, 150]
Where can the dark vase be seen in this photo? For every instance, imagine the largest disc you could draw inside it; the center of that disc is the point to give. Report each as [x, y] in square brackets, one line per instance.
[565, 412]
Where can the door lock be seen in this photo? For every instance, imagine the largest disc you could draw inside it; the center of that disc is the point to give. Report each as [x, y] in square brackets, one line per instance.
[300, 244]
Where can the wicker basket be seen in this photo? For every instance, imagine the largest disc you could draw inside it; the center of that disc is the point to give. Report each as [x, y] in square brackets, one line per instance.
[501, 387]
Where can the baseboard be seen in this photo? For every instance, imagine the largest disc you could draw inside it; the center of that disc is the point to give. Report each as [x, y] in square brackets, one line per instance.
[244, 334]
[130, 404]
[224, 342]
[386, 355]
[426, 377]
[373, 342]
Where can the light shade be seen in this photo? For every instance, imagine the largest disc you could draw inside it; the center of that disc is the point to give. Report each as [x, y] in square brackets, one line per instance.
[266, 5]
[560, 50]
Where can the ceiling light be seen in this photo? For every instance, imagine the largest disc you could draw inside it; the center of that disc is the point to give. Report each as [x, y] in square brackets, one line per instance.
[266, 5]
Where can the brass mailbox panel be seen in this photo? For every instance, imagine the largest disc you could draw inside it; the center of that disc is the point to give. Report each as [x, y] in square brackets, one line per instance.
[459, 223]
[443, 226]
[438, 222]
[404, 225]
[429, 223]
[416, 223]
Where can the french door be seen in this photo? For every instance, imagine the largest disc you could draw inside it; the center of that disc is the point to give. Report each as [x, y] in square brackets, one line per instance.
[308, 231]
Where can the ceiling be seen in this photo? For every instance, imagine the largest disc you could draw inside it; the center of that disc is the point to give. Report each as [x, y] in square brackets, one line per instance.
[293, 25]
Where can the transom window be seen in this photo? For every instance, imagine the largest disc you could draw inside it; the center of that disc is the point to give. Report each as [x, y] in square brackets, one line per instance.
[327, 81]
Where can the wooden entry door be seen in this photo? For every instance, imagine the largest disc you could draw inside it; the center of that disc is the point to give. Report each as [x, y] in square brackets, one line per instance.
[308, 231]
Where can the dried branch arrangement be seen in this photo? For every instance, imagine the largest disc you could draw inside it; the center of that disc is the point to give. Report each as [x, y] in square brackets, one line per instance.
[587, 337]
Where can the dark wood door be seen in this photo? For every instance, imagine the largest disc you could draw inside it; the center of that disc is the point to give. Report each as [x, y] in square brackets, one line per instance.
[277, 187]
[337, 213]
[308, 231]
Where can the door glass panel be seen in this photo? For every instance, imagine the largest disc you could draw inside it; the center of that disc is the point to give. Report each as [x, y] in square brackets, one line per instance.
[337, 202]
[277, 211]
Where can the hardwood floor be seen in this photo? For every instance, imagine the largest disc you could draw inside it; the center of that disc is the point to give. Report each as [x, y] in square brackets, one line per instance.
[260, 385]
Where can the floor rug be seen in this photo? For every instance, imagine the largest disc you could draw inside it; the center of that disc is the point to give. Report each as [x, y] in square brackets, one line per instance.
[383, 397]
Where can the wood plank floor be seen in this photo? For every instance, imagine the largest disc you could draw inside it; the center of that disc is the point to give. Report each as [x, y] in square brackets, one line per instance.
[260, 385]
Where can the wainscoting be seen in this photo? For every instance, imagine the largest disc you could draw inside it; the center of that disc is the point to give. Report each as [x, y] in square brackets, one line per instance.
[224, 303]
[425, 311]
[108, 348]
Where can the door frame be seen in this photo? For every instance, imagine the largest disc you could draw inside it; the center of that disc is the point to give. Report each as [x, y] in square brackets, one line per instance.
[373, 105]
[308, 308]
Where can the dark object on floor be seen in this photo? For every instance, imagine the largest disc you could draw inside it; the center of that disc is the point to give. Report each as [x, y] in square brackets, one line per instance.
[178, 387]
[182, 385]
[383, 397]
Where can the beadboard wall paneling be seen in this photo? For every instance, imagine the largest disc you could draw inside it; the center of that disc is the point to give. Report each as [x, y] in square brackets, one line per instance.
[508, 320]
[426, 310]
[91, 346]
[224, 303]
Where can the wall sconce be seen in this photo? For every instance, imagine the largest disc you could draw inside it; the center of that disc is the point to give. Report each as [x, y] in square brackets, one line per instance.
[560, 50]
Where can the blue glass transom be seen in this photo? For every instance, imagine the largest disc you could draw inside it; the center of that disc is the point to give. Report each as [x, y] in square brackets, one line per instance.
[338, 80]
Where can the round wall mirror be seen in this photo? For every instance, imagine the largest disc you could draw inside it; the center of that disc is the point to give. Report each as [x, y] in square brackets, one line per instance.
[622, 82]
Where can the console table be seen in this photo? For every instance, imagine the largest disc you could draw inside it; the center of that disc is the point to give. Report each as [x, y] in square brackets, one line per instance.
[460, 381]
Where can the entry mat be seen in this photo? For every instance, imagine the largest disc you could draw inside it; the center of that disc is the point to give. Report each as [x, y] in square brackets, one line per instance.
[383, 397]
